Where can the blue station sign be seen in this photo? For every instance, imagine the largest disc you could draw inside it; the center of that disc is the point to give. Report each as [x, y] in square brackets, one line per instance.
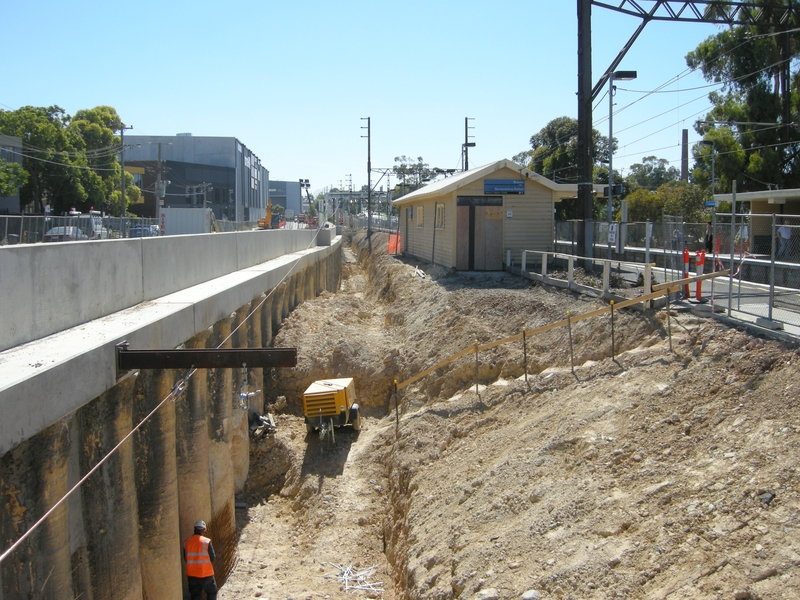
[503, 186]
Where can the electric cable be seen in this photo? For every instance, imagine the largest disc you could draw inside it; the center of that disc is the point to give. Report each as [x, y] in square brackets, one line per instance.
[60, 164]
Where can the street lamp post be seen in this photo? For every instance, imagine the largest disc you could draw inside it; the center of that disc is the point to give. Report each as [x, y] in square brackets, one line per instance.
[614, 76]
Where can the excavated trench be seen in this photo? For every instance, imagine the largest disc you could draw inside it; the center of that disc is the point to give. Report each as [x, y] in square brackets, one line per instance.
[385, 325]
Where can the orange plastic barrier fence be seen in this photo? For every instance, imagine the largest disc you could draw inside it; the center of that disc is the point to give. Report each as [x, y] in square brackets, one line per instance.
[394, 243]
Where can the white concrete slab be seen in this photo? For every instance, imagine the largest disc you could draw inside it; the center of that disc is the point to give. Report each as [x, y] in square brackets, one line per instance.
[44, 380]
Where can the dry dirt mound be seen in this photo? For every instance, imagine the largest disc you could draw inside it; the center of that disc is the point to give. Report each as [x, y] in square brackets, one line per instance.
[656, 475]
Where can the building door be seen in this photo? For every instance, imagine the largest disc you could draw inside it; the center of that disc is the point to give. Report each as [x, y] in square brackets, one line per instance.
[479, 233]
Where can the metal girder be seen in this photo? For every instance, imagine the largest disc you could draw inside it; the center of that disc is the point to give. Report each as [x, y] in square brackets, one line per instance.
[205, 358]
[615, 63]
[713, 11]
[705, 11]
[724, 12]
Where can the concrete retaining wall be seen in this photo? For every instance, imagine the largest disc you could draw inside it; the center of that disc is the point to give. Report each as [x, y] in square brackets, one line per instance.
[48, 288]
[119, 535]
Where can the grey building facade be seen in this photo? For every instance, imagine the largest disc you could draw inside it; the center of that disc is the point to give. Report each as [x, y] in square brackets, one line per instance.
[10, 151]
[220, 173]
[287, 194]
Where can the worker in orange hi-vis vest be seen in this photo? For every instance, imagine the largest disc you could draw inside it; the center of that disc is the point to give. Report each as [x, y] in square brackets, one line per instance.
[199, 554]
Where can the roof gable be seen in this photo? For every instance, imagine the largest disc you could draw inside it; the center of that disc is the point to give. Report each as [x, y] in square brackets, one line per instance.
[505, 167]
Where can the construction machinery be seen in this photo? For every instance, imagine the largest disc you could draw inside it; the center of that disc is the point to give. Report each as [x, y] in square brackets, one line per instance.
[330, 403]
[266, 222]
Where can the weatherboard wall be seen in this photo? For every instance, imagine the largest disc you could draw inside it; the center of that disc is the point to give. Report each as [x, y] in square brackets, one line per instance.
[527, 224]
[528, 221]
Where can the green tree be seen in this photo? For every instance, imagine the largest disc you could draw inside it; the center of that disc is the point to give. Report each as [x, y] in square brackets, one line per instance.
[554, 154]
[644, 205]
[12, 177]
[554, 150]
[412, 173]
[684, 198]
[96, 128]
[46, 145]
[651, 173]
[70, 162]
[753, 139]
[729, 159]
[673, 198]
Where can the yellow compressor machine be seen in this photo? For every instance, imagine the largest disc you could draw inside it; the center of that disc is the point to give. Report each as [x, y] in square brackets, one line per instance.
[331, 402]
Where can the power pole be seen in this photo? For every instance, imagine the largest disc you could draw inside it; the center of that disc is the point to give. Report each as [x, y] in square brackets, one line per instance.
[467, 144]
[585, 158]
[369, 175]
[122, 202]
[350, 192]
[161, 185]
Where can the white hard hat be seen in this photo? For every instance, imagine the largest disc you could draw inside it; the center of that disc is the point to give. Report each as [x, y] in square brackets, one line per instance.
[200, 525]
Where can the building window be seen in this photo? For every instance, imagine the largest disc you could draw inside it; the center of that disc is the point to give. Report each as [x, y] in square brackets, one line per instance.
[439, 221]
[410, 213]
[420, 216]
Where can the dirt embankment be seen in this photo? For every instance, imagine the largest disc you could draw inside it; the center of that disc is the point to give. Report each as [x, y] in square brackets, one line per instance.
[655, 475]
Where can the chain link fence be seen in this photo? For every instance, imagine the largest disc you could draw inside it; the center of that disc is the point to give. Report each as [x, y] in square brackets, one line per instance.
[33, 229]
[763, 252]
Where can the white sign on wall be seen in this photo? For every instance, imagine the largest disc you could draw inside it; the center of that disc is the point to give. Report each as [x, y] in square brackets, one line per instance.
[612, 233]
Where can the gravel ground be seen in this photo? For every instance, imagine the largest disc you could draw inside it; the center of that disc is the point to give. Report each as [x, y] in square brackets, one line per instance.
[652, 474]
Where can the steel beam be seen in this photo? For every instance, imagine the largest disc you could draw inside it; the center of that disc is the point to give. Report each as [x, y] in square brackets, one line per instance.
[719, 12]
[205, 358]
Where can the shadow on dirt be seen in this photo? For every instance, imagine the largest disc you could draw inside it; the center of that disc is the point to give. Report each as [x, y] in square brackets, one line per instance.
[326, 457]
[451, 280]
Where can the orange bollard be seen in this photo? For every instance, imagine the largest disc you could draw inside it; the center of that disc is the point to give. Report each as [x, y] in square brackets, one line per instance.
[700, 261]
[686, 293]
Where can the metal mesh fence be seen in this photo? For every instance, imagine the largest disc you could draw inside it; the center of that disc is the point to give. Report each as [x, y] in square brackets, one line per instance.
[763, 252]
[32, 229]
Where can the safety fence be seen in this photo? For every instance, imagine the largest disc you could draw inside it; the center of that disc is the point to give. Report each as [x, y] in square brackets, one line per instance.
[380, 222]
[752, 233]
[640, 273]
[659, 290]
[762, 251]
[34, 229]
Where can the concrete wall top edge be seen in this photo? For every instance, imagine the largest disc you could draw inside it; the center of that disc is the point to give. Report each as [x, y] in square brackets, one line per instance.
[98, 278]
[53, 369]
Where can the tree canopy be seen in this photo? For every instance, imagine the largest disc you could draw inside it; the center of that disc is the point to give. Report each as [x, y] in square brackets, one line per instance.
[411, 173]
[672, 198]
[753, 122]
[70, 162]
[12, 177]
[651, 173]
[554, 150]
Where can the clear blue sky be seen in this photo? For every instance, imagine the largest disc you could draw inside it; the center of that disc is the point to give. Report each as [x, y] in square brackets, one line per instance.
[292, 79]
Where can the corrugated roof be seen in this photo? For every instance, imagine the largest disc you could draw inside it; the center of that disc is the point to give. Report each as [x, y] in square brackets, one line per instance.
[449, 184]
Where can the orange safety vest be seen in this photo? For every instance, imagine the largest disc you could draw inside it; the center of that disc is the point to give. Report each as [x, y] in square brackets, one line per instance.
[198, 562]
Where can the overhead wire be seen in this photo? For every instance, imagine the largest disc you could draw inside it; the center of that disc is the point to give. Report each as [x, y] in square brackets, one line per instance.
[719, 56]
[689, 102]
[60, 164]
